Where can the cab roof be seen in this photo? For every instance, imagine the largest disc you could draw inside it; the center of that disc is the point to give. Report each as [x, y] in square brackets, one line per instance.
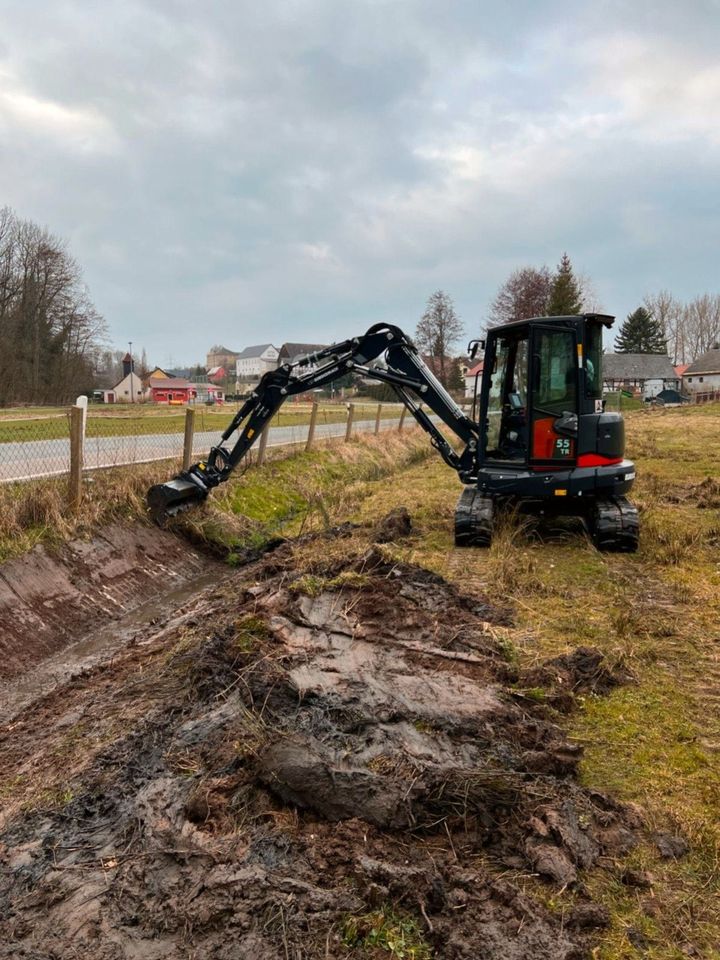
[603, 318]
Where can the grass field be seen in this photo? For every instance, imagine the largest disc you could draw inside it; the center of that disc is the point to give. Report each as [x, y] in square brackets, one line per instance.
[656, 741]
[53, 423]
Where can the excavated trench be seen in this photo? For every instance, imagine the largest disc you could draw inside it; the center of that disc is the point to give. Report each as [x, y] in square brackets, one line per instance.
[295, 761]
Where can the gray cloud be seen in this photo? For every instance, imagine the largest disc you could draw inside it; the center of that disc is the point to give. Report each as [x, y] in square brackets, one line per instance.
[234, 172]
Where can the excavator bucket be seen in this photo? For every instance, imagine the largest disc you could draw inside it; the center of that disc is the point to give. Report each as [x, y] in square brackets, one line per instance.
[168, 499]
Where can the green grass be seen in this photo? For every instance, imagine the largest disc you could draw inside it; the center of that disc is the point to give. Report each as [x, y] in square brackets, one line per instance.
[291, 495]
[141, 420]
[386, 930]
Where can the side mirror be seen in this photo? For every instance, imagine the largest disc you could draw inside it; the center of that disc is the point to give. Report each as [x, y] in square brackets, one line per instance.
[474, 346]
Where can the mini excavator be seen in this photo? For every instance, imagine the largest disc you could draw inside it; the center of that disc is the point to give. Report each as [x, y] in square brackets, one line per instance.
[542, 439]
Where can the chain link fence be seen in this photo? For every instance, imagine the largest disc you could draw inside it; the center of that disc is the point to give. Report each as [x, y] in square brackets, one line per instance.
[37, 443]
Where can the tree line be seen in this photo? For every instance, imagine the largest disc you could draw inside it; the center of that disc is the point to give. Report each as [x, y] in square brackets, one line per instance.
[50, 331]
[662, 324]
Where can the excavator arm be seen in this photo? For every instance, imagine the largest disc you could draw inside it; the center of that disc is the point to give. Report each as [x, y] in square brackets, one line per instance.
[405, 371]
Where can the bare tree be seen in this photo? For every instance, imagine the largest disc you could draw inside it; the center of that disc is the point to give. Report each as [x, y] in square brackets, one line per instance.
[527, 293]
[49, 328]
[701, 321]
[438, 331]
[524, 294]
[669, 313]
[691, 328]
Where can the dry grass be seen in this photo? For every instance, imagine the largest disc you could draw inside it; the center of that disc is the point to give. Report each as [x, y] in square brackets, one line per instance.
[655, 742]
[292, 492]
[38, 511]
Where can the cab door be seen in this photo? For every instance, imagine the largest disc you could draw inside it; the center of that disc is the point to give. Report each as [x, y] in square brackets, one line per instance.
[554, 396]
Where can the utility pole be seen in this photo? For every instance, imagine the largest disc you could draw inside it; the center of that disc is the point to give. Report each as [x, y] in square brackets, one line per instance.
[132, 385]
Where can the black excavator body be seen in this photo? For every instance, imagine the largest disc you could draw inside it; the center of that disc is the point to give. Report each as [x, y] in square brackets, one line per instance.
[547, 445]
[541, 440]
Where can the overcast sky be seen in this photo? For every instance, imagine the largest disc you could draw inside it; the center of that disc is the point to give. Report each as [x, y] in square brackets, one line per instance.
[238, 172]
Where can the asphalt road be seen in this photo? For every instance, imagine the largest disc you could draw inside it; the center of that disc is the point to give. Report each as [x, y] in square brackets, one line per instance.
[44, 458]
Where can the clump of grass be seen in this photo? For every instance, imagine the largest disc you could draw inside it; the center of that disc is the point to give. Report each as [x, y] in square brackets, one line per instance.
[310, 585]
[249, 631]
[397, 934]
[512, 564]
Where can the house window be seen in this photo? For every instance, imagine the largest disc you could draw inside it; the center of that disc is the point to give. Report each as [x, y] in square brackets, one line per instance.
[689, 379]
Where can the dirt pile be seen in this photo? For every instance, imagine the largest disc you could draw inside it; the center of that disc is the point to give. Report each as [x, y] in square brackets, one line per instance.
[320, 765]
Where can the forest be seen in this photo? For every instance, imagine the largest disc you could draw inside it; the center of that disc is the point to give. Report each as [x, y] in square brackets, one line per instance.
[50, 332]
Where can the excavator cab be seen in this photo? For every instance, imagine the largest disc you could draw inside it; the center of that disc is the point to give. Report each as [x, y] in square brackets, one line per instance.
[546, 441]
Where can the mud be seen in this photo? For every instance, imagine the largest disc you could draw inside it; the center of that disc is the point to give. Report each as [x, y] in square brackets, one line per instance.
[291, 760]
[394, 526]
[52, 598]
[583, 671]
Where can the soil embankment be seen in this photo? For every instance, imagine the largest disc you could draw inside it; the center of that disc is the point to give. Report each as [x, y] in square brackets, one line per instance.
[315, 759]
[50, 598]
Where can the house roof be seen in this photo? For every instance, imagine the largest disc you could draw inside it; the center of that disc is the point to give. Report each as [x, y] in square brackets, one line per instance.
[637, 366]
[680, 368]
[289, 351]
[249, 352]
[707, 363]
[219, 348]
[474, 371]
[170, 383]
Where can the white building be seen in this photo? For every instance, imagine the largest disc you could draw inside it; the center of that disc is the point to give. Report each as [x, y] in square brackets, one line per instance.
[703, 374]
[253, 362]
[129, 390]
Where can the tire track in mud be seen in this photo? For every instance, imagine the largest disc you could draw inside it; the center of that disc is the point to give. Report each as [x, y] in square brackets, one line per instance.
[306, 745]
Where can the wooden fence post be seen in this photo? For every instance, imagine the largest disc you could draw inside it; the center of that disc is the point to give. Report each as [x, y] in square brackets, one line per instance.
[351, 414]
[189, 437]
[377, 418]
[262, 445]
[76, 456]
[402, 419]
[311, 428]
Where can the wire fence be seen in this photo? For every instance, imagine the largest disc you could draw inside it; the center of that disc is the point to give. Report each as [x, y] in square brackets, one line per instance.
[38, 443]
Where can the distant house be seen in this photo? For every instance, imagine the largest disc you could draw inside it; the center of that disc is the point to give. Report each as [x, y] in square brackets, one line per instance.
[157, 373]
[219, 356]
[216, 374]
[703, 374]
[208, 393]
[173, 390]
[130, 389]
[471, 376]
[252, 362]
[645, 373]
[293, 352]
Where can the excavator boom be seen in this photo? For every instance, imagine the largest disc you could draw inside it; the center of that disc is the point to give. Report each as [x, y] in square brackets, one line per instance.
[404, 370]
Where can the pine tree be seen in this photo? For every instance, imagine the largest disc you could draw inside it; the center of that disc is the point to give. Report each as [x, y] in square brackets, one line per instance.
[565, 295]
[641, 333]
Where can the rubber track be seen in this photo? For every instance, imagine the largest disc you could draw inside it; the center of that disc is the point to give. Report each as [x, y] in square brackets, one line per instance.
[473, 519]
[615, 525]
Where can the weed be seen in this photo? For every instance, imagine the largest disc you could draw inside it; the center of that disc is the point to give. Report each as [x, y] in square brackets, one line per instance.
[397, 934]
